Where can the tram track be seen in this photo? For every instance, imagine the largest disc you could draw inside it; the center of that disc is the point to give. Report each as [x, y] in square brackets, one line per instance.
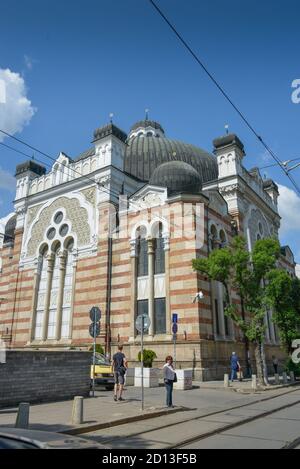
[222, 428]
[290, 445]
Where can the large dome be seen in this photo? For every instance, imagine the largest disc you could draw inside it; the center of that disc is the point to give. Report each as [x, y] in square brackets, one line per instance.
[177, 176]
[146, 151]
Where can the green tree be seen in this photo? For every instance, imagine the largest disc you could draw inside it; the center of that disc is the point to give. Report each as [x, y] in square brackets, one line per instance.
[283, 294]
[148, 357]
[247, 273]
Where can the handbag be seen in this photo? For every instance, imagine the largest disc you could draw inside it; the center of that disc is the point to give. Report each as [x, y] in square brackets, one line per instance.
[175, 378]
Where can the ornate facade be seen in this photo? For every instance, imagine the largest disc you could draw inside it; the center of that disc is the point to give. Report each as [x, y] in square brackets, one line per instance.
[118, 227]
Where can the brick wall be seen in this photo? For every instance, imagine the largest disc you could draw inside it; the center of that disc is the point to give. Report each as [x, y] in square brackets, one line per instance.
[41, 376]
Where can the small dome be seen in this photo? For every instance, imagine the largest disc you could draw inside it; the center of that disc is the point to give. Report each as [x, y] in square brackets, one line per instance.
[177, 176]
[147, 123]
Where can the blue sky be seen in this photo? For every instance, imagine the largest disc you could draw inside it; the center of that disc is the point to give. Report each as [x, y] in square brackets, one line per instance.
[81, 60]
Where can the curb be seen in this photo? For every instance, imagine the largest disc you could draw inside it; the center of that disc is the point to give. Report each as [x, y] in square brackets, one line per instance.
[113, 423]
[250, 390]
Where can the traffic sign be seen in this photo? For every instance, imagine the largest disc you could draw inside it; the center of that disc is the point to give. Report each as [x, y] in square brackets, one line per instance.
[142, 319]
[95, 314]
[91, 329]
[174, 328]
[174, 317]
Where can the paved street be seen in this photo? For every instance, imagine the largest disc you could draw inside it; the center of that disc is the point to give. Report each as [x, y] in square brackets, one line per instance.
[208, 407]
[272, 431]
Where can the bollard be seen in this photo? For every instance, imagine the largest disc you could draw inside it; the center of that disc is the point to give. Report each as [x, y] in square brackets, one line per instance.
[254, 382]
[226, 380]
[292, 376]
[284, 377]
[77, 411]
[277, 380]
[22, 420]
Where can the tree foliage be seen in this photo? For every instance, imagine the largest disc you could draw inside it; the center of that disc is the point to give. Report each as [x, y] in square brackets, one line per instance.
[238, 269]
[283, 294]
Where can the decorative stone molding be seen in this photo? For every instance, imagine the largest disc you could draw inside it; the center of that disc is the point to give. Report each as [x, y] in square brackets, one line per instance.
[31, 214]
[133, 252]
[229, 190]
[103, 180]
[166, 238]
[90, 195]
[75, 213]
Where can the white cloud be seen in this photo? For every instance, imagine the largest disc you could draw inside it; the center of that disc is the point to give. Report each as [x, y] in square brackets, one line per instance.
[16, 111]
[289, 209]
[7, 181]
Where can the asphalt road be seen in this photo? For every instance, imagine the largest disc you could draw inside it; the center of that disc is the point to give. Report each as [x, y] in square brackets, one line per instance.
[206, 424]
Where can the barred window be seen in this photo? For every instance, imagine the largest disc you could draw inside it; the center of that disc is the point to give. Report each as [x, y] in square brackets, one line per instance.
[142, 308]
[159, 253]
[160, 315]
[142, 254]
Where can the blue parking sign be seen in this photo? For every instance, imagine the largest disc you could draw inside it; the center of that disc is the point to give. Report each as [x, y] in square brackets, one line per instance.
[174, 318]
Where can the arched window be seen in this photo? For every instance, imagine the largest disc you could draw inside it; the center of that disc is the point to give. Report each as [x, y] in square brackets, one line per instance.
[67, 295]
[41, 292]
[54, 294]
[55, 280]
[213, 235]
[159, 268]
[142, 253]
[223, 239]
[159, 252]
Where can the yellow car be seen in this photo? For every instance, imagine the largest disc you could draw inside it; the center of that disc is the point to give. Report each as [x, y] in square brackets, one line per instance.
[103, 372]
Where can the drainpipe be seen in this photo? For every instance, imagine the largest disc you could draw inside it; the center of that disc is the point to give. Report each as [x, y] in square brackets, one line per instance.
[108, 298]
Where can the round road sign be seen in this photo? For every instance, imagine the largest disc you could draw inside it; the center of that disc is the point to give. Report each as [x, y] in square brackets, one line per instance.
[142, 320]
[91, 329]
[95, 314]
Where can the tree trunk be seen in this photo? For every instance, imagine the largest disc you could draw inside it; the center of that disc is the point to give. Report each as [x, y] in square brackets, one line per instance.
[265, 369]
[259, 364]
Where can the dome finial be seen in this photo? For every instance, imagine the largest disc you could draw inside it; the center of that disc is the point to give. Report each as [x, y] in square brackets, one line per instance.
[111, 115]
[146, 114]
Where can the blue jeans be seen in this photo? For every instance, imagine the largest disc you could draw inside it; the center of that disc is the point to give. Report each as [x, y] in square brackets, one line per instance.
[169, 389]
[233, 374]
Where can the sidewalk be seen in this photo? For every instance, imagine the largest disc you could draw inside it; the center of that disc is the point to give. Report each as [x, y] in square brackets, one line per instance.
[245, 386]
[99, 412]
[103, 412]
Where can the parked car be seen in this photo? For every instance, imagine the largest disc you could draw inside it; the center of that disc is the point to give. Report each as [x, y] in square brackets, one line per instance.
[19, 438]
[103, 372]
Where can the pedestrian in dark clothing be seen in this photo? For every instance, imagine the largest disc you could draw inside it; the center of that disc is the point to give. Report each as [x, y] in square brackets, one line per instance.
[235, 366]
[119, 365]
[275, 364]
[169, 377]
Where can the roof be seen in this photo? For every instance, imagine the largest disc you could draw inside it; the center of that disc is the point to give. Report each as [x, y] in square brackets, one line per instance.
[109, 129]
[85, 154]
[270, 184]
[147, 123]
[229, 139]
[145, 153]
[177, 176]
[30, 165]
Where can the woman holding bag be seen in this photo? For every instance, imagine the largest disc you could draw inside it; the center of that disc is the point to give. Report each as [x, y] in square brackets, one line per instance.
[169, 378]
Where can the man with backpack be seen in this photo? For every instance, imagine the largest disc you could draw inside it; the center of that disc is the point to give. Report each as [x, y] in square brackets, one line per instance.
[119, 365]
